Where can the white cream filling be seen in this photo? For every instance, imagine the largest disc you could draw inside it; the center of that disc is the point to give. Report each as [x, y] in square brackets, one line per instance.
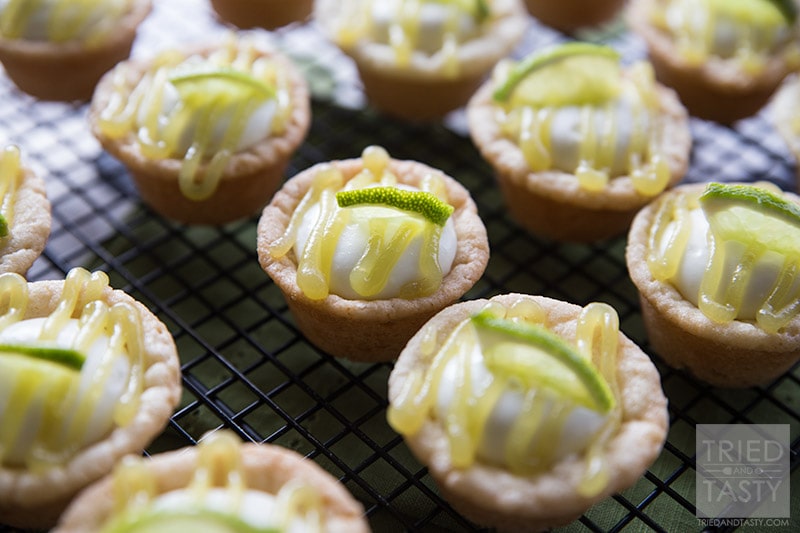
[258, 127]
[695, 260]
[102, 15]
[579, 428]
[101, 419]
[431, 27]
[567, 135]
[258, 509]
[353, 243]
[728, 34]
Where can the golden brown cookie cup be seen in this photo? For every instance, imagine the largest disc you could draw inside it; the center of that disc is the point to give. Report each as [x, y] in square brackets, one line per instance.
[551, 204]
[716, 89]
[266, 468]
[250, 177]
[733, 355]
[492, 496]
[69, 71]
[35, 500]
[784, 113]
[370, 330]
[421, 91]
[30, 227]
[268, 14]
[570, 15]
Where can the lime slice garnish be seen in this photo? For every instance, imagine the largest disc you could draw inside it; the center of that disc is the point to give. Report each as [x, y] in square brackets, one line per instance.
[569, 74]
[224, 81]
[421, 202]
[752, 215]
[478, 9]
[62, 356]
[180, 521]
[758, 12]
[538, 357]
[3, 226]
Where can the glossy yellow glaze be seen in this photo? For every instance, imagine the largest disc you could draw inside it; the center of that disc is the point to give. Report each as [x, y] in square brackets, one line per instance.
[388, 239]
[720, 299]
[59, 402]
[534, 435]
[219, 466]
[531, 129]
[63, 19]
[246, 80]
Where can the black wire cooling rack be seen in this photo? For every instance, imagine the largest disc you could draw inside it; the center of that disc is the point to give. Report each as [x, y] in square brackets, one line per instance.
[245, 365]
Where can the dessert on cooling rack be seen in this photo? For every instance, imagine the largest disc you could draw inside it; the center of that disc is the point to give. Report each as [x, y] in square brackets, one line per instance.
[206, 132]
[527, 410]
[785, 116]
[421, 59]
[716, 269]
[220, 485]
[24, 213]
[87, 376]
[579, 142]
[366, 250]
[58, 49]
[571, 15]
[725, 59]
[268, 14]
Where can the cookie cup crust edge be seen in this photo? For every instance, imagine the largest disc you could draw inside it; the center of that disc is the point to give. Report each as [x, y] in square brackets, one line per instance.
[36, 500]
[733, 355]
[69, 71]
[30, 226]
[715, 90]
[251, 176]
[420, 91]
[551, 203]
[266, 467]
[370, 330]
[493, 496]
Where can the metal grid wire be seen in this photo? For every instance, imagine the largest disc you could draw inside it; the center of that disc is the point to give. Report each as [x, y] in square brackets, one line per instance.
[245, 365]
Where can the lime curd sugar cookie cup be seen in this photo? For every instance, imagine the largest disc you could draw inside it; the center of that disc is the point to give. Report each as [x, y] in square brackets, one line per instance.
[25, 217]
[421, 64]
[725, 59]
[579, 142]
[87, 376]
[527, 410]
[717, 280]
[221, 484]
[205, 132]
[366, 250]
[58, 51]
[267, 14]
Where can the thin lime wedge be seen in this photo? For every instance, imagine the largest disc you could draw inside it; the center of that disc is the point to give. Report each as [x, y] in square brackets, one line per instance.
[752, 215]
[235, 83]
[564, 369]
[180, 521]
[62, 356]
[572, 73]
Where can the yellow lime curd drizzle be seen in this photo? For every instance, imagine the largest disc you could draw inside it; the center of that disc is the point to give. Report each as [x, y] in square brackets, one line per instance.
[356, 23]
[159, 132]
[67, 398]
[10, 174]
[531, 129]
[534, 436]
[693, 25]
[720, 299]
[388, 236]
[64, 19]
[219, 466]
